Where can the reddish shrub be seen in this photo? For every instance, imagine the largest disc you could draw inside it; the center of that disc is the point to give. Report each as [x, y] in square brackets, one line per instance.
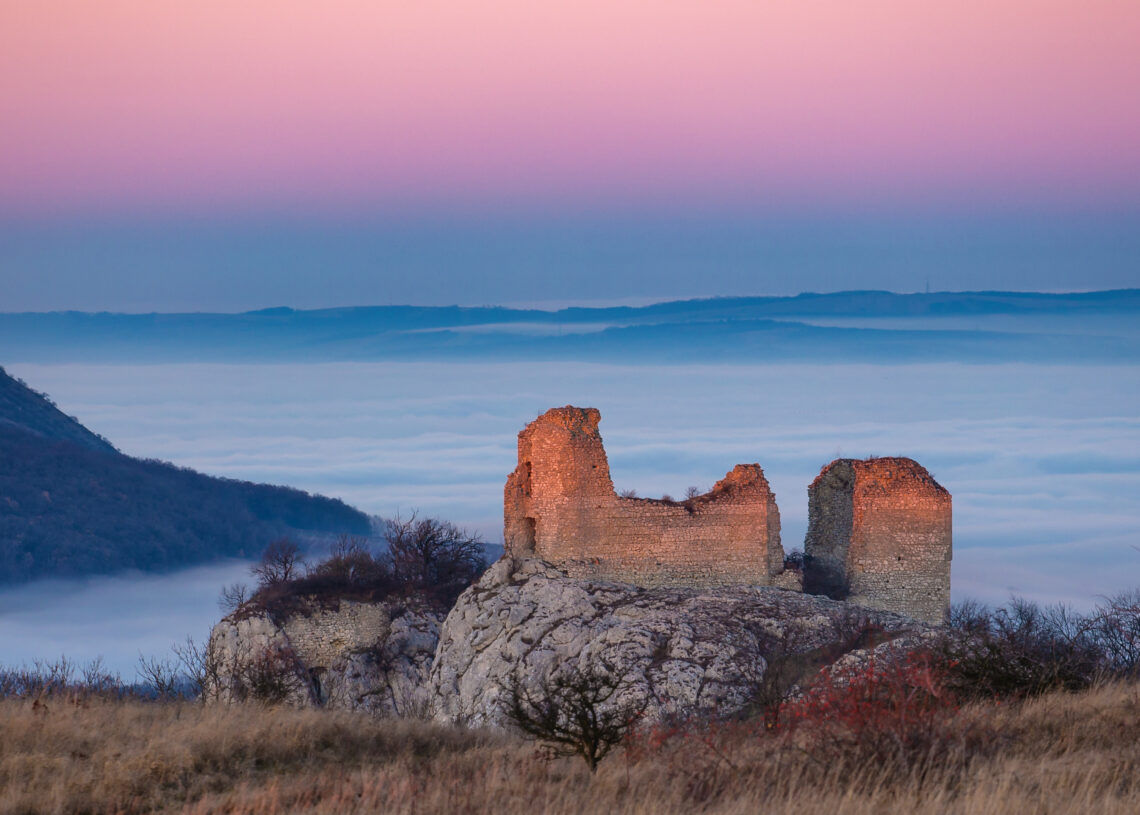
[894, 715]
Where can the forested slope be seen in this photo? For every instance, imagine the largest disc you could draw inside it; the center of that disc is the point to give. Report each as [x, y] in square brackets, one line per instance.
[70, 504]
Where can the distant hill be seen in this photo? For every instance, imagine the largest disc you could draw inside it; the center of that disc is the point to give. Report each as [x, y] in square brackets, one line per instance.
[71, 505]
[842, 326]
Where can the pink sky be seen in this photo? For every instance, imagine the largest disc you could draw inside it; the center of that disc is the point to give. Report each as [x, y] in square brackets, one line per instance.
[160, 103]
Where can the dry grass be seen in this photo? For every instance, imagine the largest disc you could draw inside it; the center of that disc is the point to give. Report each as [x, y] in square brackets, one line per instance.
[1060, 753]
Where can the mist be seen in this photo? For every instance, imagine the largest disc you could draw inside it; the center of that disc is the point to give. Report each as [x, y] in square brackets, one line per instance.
[1043, 461]
[114, 618]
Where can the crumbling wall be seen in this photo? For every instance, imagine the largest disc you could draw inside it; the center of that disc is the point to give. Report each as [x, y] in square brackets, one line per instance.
[560, 505]
[879, 534]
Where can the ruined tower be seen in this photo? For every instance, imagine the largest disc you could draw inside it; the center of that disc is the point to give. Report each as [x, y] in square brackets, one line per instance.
[879, 534]
[560, 505]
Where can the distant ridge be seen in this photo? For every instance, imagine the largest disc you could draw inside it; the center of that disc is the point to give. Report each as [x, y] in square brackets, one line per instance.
[799, 328]
[72, 505]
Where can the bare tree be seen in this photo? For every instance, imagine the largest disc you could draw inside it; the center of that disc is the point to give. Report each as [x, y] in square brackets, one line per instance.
[200, 665]
[576, 711]
[280, 562]
[1117, 629]
[350, 561]
[160, 675]
[1021, 650]
[432, 554]
[233, 597]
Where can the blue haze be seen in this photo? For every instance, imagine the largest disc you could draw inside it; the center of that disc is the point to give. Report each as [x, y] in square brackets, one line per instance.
[1043, 460]
[135, 264]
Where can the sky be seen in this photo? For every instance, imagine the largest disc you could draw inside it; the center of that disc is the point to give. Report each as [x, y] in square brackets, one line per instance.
[223, 156]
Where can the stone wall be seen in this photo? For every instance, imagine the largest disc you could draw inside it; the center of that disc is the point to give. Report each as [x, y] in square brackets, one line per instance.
[560, 505]
[879, 534]
[321, 637]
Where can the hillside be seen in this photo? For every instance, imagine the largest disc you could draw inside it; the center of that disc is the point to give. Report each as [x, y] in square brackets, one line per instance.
[71, 505]
[25, 409]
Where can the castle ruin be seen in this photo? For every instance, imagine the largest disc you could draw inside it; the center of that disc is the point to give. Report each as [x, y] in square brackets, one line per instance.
[879, 531]
[560, 505]
[879, 534]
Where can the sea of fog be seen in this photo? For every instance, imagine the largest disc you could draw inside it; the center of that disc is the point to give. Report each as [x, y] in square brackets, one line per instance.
[1043, 461]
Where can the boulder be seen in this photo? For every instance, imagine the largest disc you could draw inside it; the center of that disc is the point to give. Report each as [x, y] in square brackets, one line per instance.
[683, 651]
[350, 655]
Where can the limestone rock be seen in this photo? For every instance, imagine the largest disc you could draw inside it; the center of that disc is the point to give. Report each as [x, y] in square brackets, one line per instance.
[346, 655]
[687, 650]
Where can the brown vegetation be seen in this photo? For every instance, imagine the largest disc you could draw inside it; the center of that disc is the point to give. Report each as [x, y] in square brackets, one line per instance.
[427, 560]
[1057, 753]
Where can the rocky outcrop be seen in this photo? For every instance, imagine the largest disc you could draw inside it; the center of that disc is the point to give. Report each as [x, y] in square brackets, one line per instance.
[687, 650]
[374, 657]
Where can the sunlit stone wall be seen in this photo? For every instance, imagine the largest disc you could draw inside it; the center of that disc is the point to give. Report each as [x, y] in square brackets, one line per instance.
[879, 534]
[560, 505]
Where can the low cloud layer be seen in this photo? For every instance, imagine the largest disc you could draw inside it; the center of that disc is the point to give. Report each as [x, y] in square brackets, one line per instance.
[1042, 460]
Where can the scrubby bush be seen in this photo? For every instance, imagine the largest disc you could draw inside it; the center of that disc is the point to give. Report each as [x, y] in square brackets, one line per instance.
[433, 557]
[1025, 649]
[896, 714]
[1116, 628]
[427, 559]
[270, 676]
[775, 663]
[581, 711]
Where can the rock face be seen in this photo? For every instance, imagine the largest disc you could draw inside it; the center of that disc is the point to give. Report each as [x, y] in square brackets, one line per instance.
[879, 534]
[688, 650]
[345, 655]
[560, 505]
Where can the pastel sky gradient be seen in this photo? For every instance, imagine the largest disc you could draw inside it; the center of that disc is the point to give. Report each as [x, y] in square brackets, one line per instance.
[137, 105]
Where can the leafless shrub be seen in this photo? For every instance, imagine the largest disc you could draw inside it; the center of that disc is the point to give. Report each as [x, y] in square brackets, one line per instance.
[1020, 650]
[159, 675]
[794, 560]
[770, 665]
[62, 677]
[268, 675]
[628, 493]
[280, 562]
[433, 556]
[576, 711]
[350, 562]
[200, 664]
[776, 663]
[97, 680]
[1116, 626]
[233, 597]
[692, 492]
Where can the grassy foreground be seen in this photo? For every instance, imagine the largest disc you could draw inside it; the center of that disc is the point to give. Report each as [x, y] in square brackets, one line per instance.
[1058, 753]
